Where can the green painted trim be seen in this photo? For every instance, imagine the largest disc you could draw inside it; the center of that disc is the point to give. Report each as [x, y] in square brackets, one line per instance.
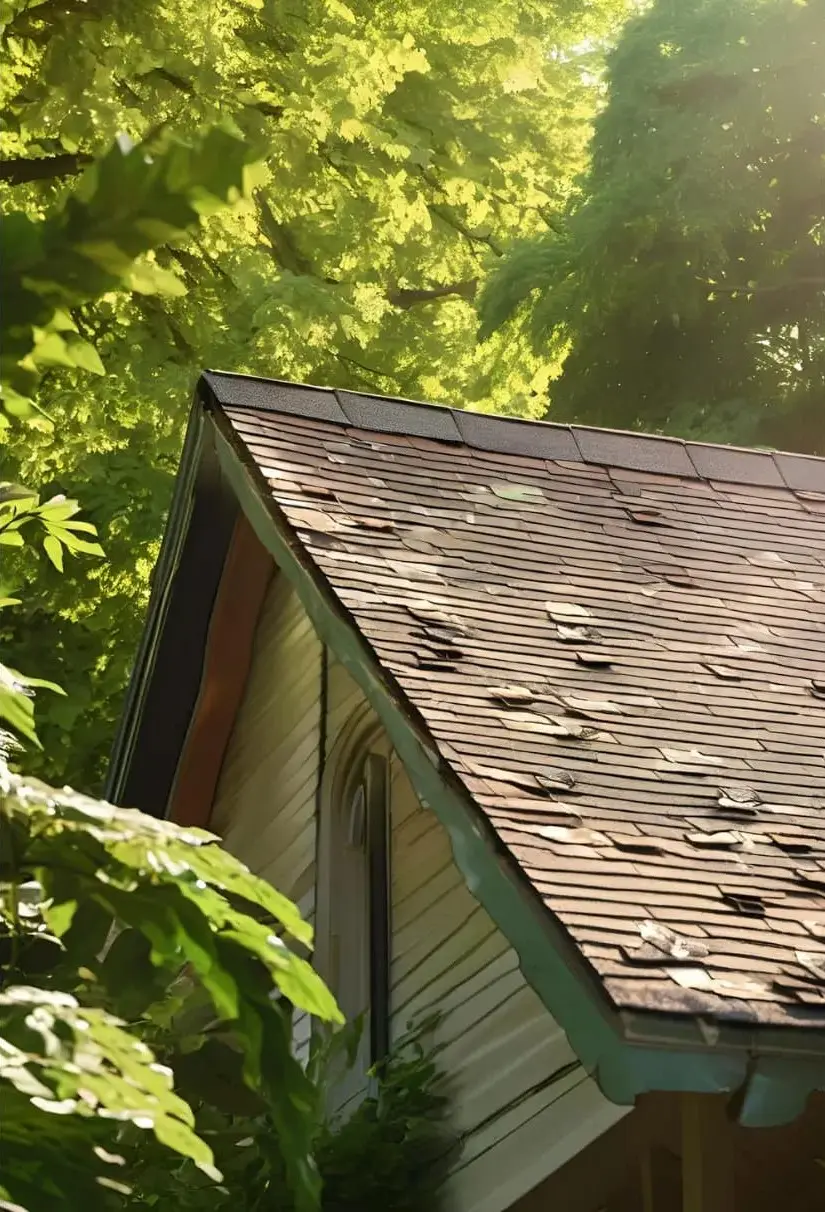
[773, 1088]
[177, 524]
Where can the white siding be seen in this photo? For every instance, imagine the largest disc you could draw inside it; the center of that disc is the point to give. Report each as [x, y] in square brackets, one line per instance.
[265, 800]
[520, 1113]
[521, 1107]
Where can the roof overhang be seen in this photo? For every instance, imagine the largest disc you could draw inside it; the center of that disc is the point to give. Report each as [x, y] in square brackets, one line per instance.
[769, 1073]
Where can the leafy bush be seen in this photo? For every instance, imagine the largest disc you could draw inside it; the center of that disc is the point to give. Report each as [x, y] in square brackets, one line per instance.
[123, 940]
[390, 1153]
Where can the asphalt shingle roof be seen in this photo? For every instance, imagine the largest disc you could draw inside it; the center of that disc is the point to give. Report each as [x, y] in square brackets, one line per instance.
[618, 644]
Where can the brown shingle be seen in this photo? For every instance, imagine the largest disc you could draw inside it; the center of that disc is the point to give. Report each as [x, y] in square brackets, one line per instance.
[695, 714]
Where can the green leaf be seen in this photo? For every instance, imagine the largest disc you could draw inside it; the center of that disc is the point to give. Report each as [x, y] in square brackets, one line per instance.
[58, 509]
[42, 683]
[149, 279]
[85, 1063]
[17, 710]
[84, 355]
[54, 550]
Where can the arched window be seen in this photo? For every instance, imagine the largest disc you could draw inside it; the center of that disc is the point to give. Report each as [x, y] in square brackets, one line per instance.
[353, 927]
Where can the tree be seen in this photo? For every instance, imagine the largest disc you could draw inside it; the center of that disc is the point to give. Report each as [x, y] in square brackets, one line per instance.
[124, 941]
[405, 145]
[687, 283]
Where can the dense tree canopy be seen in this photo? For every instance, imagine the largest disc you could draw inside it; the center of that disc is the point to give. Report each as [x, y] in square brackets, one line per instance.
[688, 280]
[147, 985]
[403, 147]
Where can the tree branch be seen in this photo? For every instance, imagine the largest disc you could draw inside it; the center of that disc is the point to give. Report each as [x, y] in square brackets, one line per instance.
[163, 73]
[21, 170]
[405, 297]
[280, 239]
[371, 370]
[474, 237]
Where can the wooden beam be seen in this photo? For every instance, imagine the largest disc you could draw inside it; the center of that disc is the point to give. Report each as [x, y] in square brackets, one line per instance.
[707, 1155]
[246, 574]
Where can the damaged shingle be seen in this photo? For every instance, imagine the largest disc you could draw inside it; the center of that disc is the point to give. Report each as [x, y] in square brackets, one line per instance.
[318, 492]
[721, 839]
[576, 635]
[790, 843]
[814, 877]
[687, 758]
[555, 780]
[578, 704]
[725, 673]
[567, 613]
[314, 519]
[672, 575]
[661, 945]
[434, 662]
[378, 525]
[632, 843]
[527, 493]
[542, 780]
[436, 618]
[595, 660]
[742, 902]
[740, 800]
[562, 835]
[511, 695]
[531, 721]
[814, 963]
[646, 515]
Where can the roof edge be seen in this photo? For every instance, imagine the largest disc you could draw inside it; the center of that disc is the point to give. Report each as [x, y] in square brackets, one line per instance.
[624, 450]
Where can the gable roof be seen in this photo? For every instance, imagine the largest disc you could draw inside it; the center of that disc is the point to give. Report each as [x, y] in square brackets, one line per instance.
[633, 794]
[617, 642]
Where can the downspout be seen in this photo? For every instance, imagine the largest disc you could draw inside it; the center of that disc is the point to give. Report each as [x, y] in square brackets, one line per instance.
[323, 711]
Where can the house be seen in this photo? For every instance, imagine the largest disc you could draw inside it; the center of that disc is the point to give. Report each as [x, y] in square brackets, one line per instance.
[530, 720]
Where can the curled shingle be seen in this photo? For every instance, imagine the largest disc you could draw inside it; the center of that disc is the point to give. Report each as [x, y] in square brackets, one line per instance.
[568, 613]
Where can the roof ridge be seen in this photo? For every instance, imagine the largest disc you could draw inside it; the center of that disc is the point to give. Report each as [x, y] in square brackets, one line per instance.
[655, 454]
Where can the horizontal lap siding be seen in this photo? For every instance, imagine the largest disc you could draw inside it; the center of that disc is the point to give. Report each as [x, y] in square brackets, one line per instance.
[265, 802]
[344, 698]
[521, 1103]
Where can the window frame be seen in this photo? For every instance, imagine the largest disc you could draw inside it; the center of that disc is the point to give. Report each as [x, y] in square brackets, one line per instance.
[360, 757]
